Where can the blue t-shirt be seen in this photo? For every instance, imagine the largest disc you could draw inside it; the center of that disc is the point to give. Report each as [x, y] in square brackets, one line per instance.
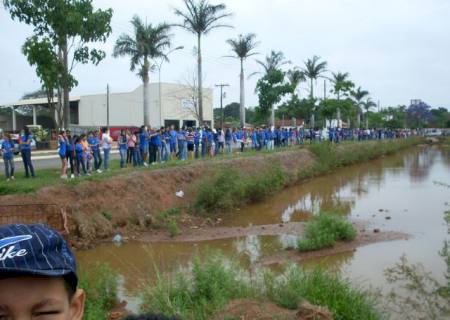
[79, 149]
[62, 147]
[143, 138]
[94, 143]
[122, 143]
[26, 142]
[7, 147]
[173, 136]
[156, 140]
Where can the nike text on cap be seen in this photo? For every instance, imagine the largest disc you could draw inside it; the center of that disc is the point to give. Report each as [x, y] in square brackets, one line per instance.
[35, 250]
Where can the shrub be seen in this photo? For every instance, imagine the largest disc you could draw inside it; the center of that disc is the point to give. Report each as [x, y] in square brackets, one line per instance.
[324, 230]
[173, 228]
[206, 288]
[100, 285]
[106, 214]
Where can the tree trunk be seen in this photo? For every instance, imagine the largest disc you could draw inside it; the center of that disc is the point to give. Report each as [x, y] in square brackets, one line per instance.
[272, 117]
[367, 119]
[358, 119]
[145, 91]
[338, 116]
[242, 96]
[348, 123]
[200, 81]
[312, 120]
[65, 84]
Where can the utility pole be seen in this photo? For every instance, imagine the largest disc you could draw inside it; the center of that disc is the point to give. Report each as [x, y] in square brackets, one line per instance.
[222, 85]
[325, 89]
[107, 105]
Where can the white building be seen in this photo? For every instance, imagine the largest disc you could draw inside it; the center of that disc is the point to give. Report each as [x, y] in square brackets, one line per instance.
[168, 103]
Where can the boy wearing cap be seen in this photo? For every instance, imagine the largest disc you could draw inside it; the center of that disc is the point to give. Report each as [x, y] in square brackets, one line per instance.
[37, 275]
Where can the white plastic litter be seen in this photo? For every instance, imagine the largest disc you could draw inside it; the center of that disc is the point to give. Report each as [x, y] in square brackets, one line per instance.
[180, 194]
[117, 239]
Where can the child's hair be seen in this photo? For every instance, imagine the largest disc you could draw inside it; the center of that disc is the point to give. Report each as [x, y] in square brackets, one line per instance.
[151, 316]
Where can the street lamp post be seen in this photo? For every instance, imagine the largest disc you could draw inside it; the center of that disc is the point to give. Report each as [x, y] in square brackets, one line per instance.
[159, 81]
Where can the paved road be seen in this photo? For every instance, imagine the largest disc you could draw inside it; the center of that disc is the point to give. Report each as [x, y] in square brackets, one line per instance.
[43, 162]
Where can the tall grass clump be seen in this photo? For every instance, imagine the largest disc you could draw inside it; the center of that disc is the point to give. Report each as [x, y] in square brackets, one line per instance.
[321, 288]
[100, 285]
[209, 285]
[229, 187]
[330, 156]
[324, 230]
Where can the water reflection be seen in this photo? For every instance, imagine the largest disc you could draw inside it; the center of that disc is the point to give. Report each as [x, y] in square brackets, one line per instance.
[250, 246]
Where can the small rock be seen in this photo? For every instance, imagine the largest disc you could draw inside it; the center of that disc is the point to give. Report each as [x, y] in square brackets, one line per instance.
[281, 225]
[264, 228]
[376, 230]
[388, 218]
[381, 210]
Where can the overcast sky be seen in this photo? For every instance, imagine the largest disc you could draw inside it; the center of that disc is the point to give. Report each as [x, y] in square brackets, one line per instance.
[398, 50]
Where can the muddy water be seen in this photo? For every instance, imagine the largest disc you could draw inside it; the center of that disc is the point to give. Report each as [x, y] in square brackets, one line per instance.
[410, 187]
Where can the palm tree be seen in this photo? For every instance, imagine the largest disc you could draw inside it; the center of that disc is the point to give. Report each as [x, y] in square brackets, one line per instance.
[341, 85]
[359, 95]
[295, 77]
[148, 42]
[243, 48]
[272, 62]
[367, 105]
[314, 69]
[200, 18]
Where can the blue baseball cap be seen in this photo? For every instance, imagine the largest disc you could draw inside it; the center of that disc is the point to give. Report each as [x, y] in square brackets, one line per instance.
[36, 250]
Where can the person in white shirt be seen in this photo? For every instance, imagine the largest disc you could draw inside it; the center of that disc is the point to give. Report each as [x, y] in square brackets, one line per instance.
[106, 145]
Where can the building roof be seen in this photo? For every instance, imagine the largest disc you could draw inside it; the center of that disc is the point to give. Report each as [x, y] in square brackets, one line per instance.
[37, 101]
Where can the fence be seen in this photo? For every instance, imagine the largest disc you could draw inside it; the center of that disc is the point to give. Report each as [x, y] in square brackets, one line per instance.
[48, 214]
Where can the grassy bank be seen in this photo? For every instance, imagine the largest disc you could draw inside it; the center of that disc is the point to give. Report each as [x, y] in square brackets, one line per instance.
[209, 285]
[230, 186]
[324, 230]
[100, 284]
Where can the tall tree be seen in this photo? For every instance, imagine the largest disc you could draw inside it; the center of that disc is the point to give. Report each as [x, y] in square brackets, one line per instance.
[271, 88]
[243, 47]
[295, 77]
[314, 69]
[418, 114]
[65, 29]
[273, 62]
[359, 94]
[341, 85]
[200, 18]
[367, 105]
[147, 43]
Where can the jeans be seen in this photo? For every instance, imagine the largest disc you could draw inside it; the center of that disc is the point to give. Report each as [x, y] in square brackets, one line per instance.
[144, 152]
[123, 157]
[153, 153]
[181, 150]
[185, 150]
[228, 147]
[26, 158]
[165, 152]
[70, 161]
[97, 159]
[136, 157]
[130, 154]
[80, 163]
[196, 150]
[106, 155]
[204, 149]
[9, 167]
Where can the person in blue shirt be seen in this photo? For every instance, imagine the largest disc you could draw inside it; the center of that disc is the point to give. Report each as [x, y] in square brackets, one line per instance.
[197, 137]
[62, 151]
[155, 146]
[7, 149]
[173, 141]
[144, 144]
[123, 148]
[25, 150]
[228, 140]
[70, 153]
[79, 156]
[94, 145]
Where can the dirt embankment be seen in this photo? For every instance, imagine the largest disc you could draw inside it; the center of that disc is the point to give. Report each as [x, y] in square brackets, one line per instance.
[129, 204]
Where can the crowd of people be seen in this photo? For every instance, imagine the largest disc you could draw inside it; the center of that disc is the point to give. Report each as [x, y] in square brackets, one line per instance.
[90, 152]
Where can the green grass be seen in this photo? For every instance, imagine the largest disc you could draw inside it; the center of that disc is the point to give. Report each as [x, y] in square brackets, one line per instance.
[324, 230]
[100, 284]
[206, 288]
[173, 228]
[229, 187]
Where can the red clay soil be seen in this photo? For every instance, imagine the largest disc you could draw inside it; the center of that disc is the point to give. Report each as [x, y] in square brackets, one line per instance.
[247, 309]
[134, 200]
